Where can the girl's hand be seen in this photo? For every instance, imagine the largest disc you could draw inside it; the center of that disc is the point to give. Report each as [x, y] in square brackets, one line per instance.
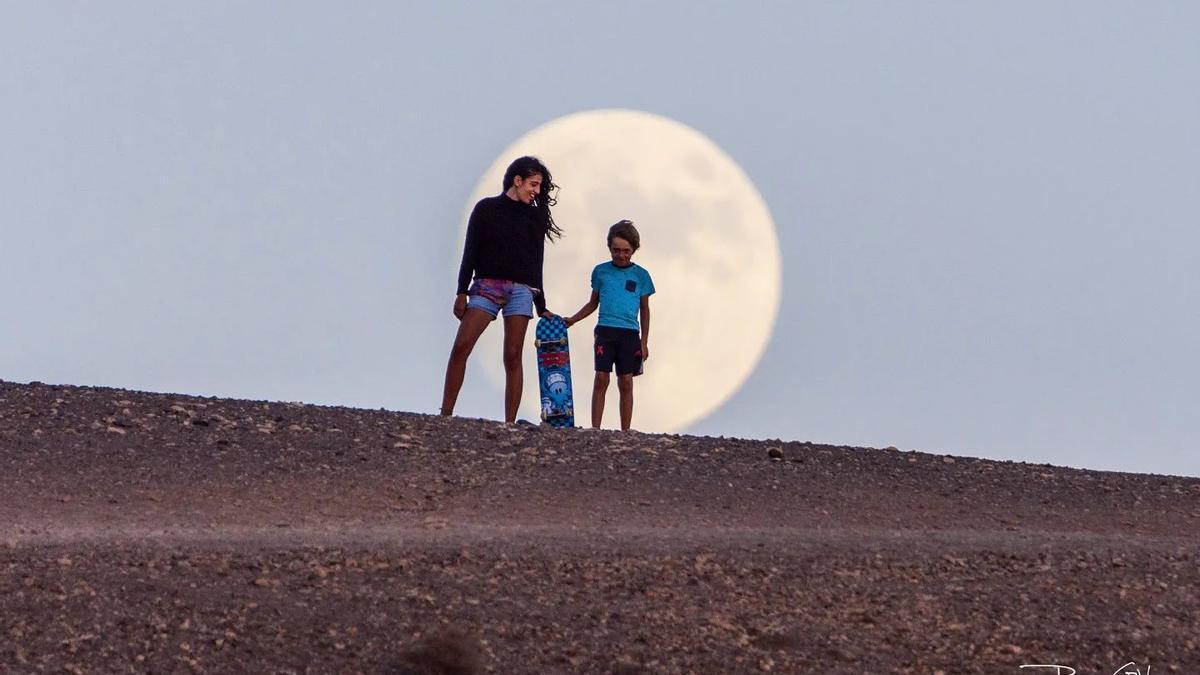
[460, 306]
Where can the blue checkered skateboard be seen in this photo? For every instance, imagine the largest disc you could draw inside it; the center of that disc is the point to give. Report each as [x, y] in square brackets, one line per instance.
[554, 372]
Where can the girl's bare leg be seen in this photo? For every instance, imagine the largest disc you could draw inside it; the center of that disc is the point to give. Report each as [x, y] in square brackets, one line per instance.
[514, 344]
[471, 326]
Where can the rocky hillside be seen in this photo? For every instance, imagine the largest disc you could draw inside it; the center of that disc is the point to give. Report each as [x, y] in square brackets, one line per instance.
[164, 533]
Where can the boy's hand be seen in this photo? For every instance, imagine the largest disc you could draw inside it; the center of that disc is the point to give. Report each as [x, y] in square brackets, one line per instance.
[645, 351]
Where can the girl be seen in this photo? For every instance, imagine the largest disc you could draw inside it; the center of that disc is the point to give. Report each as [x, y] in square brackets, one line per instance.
[506, 237]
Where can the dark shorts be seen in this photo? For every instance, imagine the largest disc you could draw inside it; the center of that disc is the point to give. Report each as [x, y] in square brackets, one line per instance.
[621, 347]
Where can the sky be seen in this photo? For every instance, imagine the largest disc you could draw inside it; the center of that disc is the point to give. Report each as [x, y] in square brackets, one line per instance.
[987, 212]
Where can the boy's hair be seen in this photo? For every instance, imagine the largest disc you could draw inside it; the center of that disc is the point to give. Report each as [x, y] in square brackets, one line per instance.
[626, 231]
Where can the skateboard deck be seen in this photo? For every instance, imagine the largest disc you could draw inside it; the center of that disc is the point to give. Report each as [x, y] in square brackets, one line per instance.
[554, 372]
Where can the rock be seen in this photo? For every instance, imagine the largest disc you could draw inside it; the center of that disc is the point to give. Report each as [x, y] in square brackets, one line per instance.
[444, 652]
[775, 453]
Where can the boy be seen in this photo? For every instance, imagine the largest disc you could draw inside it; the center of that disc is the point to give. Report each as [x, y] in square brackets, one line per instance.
[622, 290]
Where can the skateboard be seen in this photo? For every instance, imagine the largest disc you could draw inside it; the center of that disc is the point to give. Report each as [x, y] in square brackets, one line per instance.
[554, 372]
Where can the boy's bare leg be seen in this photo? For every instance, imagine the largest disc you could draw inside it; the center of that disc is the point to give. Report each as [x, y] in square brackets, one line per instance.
[514, 343]
[625, 386]
[598, 391]
[471, 326]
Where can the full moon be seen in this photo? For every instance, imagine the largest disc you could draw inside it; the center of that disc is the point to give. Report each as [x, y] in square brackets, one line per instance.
[708, 242]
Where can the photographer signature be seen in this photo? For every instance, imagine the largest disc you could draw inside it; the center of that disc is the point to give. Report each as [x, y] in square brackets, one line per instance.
[1130, 668]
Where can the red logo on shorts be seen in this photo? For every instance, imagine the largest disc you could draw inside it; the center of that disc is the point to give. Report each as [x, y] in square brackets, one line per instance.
[599, 350]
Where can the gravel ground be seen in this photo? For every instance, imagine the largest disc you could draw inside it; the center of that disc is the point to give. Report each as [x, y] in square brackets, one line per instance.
[172, 534]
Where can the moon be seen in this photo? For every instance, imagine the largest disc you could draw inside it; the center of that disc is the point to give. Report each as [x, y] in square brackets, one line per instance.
[708, 242]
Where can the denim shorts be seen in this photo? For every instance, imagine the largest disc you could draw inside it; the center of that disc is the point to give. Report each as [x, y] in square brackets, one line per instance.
[493, 295]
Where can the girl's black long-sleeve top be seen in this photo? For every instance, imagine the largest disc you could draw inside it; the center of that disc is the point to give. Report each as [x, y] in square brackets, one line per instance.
[505, 240]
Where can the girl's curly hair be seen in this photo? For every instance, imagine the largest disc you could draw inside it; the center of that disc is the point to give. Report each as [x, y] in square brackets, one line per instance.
[526, 167]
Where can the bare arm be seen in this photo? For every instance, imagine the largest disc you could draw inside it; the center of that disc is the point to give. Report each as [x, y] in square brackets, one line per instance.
[645, 316]
[585, 311]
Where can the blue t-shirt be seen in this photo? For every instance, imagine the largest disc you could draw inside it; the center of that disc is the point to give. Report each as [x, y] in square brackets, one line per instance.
[621, 290]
